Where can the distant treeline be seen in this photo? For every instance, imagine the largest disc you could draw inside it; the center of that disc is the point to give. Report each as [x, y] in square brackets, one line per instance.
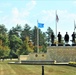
[23, 41]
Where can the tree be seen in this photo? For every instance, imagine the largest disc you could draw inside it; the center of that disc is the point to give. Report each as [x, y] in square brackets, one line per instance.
[44, 44]
[48, 32]
[4, 42]
[4, 49]
[42, 41]
[15, 44]
[3, 30]
[22, 41]
[15, 31]
[26, 47]
[26, 32]
[4, 35]
[34, 36]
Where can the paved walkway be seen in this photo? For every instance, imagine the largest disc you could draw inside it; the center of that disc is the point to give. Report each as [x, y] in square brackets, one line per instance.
[39, 63]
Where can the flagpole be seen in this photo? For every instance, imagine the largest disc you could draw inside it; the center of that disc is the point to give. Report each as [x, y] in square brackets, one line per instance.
[56, 24]
[37, 38]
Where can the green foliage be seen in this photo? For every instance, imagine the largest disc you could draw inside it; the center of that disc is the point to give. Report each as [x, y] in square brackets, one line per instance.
[25, 49]
[4, 51]
[15, 31]
[4, 39]
[34, 35]
[4, 42]
[20, 40]
[49, 31]
[15, 44]
[3, 30]
[26, 32]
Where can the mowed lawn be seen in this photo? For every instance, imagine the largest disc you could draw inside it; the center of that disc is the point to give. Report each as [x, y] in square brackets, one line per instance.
[14, 69]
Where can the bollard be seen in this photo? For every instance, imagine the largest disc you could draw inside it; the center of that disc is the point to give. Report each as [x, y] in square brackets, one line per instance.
[42, 70]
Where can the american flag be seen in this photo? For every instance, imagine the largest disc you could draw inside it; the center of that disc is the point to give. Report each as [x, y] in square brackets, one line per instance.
[57, 19]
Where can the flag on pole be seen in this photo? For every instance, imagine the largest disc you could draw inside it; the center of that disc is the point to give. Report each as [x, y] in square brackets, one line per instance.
[40, 25]
[57, 18]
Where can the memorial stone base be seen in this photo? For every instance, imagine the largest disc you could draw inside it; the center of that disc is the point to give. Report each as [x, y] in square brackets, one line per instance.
[62, 53]
[35, 57]
[54, 53]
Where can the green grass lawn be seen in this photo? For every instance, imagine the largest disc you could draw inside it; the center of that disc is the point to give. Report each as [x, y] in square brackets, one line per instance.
[14, 69]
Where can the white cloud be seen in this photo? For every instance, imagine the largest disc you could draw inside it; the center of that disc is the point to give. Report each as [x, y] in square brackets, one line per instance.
[48, 15]
[24, 13]
[63, 15]
[15, 12]
[30, 5]
[66, 20]
[17, 15]
[20, 16]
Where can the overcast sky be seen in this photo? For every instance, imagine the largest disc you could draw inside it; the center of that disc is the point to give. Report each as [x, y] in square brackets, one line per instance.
[13, 12]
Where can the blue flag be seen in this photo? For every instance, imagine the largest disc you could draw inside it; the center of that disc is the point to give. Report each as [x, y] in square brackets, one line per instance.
[40, 25]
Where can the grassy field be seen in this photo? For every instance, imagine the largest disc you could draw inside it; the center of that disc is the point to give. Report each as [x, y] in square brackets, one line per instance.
[14, 69]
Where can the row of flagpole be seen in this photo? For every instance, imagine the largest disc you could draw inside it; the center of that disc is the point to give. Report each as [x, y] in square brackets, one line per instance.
[41, 25]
